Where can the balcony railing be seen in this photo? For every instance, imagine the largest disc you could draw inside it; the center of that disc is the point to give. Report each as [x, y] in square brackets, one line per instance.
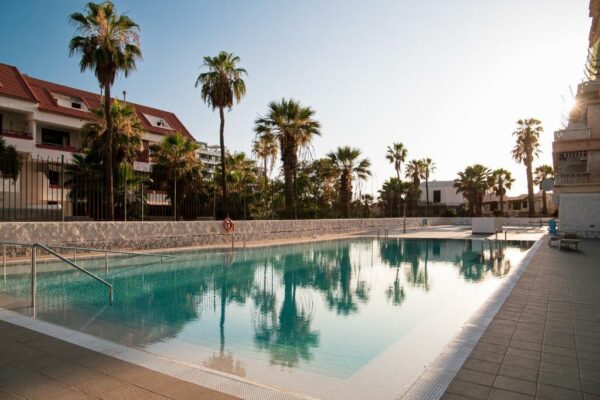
[143, 156]
[16, 134]
[70, 149]
[588, 87]
[572, 134]
[571, 179]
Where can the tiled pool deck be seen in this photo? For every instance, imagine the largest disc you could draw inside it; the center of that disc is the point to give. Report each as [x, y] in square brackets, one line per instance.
[35, 366]
[545, 341]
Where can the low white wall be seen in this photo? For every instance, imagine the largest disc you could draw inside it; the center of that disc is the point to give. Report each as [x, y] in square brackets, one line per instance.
[580, 213]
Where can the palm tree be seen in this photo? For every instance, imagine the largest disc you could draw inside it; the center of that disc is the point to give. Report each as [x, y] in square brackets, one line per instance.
[294, 126]
[108, 44]
[265, 147]
[428, 168]
[10, 164]
[396, 154]
[127, 134]
[414, 171]
[241, 173]
[473, 183]
[542, 173]
[389, 196]
[222, 85]
[348, 164]
[500, 181]
[176, 166]
[526, 149]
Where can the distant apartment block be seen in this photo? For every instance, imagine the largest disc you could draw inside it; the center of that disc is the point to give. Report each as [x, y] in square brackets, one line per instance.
[210, 155]
[442, 195]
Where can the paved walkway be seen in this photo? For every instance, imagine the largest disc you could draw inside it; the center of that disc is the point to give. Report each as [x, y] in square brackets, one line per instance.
[35, 366]
[545, 341]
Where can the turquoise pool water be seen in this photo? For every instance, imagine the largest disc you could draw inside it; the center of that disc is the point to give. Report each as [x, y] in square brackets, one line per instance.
[327, 308]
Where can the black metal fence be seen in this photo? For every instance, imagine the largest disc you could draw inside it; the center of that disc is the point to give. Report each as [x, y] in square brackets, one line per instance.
[35, 189]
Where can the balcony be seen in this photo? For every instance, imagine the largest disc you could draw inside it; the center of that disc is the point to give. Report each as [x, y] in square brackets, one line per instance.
[572, 134]
[16, 134]
[572, 179]
[143, 156]
[70, 149]
[589, 87]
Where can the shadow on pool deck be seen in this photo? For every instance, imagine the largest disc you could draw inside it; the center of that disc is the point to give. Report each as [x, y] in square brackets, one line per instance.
[35, 366]
[545, 341]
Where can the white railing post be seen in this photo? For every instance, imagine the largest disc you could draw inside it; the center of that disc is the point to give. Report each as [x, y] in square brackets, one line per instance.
[33, 275]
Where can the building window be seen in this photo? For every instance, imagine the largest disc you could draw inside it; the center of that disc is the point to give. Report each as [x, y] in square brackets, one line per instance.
[516, 205]
[437, 196]
[54, 137]
[525, 204]
[76, 105]
[53, 178]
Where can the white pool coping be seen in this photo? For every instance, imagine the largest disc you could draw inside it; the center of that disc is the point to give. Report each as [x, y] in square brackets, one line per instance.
[431, 384]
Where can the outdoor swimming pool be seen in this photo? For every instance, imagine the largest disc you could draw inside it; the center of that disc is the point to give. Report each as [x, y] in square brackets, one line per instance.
[322, 318]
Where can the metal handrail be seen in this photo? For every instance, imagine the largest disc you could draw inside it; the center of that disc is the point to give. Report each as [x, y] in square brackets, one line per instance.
[33, 247]
[130, 253]
[85, 271]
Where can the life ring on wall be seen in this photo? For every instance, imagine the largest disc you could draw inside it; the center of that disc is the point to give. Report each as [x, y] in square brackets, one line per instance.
[228, 225]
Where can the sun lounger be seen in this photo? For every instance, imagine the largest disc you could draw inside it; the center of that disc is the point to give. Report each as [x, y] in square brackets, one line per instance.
[571, 244]
[568, 241]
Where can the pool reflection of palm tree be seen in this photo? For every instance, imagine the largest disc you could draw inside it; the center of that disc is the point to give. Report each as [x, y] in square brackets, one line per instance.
[416, 276]
[234, 282]
[391, 254]
[340, 297]
[288, 335]
[475, 263]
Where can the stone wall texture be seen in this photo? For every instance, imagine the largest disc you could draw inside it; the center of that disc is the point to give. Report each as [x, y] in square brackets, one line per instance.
[165, 234]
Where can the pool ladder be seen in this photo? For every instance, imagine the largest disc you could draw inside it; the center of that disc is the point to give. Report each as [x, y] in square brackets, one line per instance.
[49, 249]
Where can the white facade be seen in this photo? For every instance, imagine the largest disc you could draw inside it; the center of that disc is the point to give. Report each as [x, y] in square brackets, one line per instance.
[210, 157]
[441, 193]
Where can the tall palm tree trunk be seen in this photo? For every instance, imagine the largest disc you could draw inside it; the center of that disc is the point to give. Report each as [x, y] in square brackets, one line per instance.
[426, 197]
[501, 189]
[346, 193]
[398, 193]
[223, 170]
[110, 199]
[530, 197]
[544, 205]
[290, 162]
[266, 181]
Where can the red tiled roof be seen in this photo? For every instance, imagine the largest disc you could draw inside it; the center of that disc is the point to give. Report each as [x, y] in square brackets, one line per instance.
[15, 84]
[12, 84]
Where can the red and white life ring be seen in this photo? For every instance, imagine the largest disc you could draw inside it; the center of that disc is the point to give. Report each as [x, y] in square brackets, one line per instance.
[228, 225]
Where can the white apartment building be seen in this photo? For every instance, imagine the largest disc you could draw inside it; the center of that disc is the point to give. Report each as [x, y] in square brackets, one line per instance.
[441, 193]
[211, 158]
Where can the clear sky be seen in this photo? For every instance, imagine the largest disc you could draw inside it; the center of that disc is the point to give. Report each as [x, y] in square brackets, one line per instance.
[448, 78]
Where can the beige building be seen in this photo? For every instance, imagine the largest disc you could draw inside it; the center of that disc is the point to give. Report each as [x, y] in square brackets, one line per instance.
[576, 149]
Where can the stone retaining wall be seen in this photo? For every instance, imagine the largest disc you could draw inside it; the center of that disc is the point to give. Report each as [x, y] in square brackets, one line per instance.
[164, 234]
